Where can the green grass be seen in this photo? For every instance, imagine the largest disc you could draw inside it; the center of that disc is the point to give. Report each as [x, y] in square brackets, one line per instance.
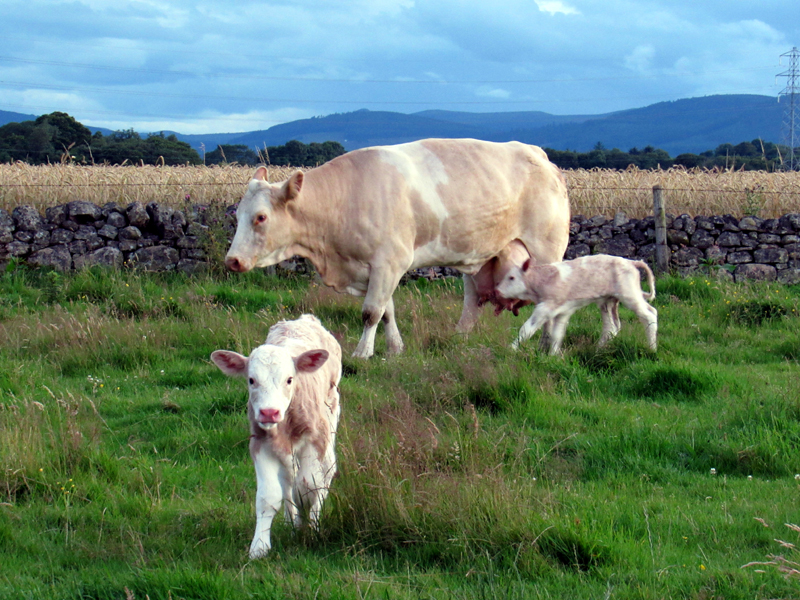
[467, 470]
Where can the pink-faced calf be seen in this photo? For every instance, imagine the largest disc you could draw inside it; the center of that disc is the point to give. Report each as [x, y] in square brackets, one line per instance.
[558, 290]
[367, 217]
[293, 410]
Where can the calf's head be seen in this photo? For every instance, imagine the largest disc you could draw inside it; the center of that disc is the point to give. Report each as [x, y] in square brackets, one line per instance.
[513, 286]
[270, 372]
[263, 223]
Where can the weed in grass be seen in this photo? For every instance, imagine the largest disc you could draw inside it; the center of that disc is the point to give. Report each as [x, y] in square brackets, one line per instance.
[755, 313]
[694, 288]
[680, 384]
[615, 357]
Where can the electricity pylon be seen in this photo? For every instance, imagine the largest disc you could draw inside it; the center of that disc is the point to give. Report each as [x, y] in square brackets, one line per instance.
[791, 115]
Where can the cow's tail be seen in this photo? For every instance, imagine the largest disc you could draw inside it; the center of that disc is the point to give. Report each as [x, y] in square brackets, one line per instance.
[651, 280]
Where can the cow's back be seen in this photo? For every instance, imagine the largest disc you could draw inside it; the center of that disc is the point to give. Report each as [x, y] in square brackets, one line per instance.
[450, 202]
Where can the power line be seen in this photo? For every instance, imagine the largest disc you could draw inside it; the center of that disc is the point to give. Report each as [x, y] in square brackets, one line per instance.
[792, 112]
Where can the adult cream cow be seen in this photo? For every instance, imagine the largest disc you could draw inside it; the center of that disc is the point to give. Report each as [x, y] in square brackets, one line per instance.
[367, 217]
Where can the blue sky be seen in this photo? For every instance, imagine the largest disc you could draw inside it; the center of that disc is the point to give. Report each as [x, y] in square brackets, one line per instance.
[202, 67]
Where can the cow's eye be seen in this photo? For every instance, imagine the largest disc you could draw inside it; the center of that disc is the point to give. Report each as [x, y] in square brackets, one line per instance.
[260, 218]
[252, 381]
[289, 381]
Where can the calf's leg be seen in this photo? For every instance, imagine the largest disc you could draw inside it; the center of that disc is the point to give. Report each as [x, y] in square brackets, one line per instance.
[271, 488]
[540, 316]
[647, 314]
[609, 313]
[559, 329]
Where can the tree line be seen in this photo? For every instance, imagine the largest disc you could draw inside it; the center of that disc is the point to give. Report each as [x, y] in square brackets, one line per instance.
[292, 153]
[58, 137]
[752, 156]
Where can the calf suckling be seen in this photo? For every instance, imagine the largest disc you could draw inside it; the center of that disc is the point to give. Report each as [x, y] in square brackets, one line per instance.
[293, 381]
[560, 289]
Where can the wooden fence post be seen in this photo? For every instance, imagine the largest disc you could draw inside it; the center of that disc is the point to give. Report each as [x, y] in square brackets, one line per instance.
[660, 215]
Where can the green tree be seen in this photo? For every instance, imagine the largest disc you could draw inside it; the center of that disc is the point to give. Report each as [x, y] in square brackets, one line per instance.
[232, 153]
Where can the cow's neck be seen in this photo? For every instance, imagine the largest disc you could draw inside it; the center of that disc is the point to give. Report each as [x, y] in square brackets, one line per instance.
[312, 212]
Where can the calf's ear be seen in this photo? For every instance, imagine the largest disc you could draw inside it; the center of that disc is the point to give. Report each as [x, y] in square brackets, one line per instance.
[526, 265]
[310, 361]
[230, 363]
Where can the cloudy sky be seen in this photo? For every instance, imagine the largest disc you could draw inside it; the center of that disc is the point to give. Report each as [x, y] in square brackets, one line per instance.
[203, 67]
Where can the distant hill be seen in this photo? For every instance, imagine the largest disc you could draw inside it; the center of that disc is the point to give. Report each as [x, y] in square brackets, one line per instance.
[690, 125]
[14, 117]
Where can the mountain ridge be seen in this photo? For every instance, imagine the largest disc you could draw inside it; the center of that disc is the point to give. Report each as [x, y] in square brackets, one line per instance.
[689, 125]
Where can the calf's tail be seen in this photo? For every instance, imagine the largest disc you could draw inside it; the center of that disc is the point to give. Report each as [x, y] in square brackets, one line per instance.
[651, 281]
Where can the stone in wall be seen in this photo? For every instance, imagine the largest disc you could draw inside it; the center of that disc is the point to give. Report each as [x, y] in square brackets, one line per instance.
[756, 272]
[26, 218]
[57, 257]
[104, 257]
[155, 259]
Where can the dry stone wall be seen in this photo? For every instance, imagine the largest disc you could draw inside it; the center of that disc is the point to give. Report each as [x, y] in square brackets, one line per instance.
[746, 248]
[156, 238]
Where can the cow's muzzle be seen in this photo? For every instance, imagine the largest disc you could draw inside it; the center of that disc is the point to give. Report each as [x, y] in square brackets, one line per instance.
[269, 416]
[236, 264]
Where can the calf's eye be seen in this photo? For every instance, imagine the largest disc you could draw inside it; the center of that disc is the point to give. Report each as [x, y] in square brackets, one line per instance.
[252, 381]
[260, 219]
[289, 381]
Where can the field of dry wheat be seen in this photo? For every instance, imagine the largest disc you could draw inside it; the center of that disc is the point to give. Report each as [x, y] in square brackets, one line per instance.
[592, 192]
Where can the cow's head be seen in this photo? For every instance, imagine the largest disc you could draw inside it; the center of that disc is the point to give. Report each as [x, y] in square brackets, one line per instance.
[513, 285]
[270, 372]
[264, 228]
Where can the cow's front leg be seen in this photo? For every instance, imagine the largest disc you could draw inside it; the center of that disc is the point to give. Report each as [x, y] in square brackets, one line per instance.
[394, 341]
[471, 311]
[377, 301]
[269, 493]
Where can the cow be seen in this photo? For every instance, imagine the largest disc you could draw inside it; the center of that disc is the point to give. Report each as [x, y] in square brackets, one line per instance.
[293, 408]
[365, 218]
[559, 289]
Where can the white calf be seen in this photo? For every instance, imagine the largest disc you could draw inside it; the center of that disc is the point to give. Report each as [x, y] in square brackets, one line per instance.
[559, 289]
[293, 409]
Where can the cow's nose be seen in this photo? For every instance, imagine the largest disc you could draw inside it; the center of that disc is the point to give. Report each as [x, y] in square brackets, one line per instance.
[234, 264]
[269, 415]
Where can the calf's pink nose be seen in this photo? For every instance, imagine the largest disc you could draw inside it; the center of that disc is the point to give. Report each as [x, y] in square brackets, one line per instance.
[269, 415]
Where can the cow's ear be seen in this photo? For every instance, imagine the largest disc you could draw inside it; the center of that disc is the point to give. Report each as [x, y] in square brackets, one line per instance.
[310, 361]
[230, 363]
[526, 265]
[261, 174]
[291, 189]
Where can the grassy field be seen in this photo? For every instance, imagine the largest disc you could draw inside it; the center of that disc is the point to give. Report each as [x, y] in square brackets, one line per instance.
[592, 192]
[466, 470]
